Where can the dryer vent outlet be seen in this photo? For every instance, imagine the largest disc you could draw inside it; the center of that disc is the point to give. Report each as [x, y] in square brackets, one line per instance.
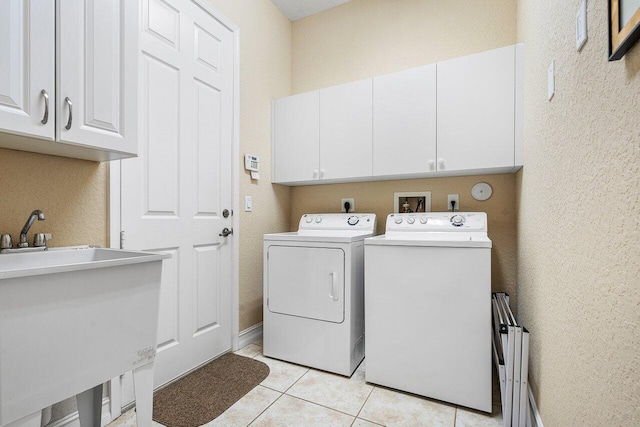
[351, 205]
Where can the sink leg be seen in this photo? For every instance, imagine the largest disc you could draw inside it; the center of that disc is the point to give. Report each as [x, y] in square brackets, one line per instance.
[143, 389]
[90, 407]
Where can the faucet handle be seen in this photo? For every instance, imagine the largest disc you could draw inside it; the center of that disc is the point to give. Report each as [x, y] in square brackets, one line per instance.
[6, 242]
[39, 240]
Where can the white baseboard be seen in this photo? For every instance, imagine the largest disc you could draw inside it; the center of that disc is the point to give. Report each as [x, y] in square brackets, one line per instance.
[249, 335]
[73, 419]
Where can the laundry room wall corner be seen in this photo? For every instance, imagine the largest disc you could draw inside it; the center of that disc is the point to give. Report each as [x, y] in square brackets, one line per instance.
[265, 74]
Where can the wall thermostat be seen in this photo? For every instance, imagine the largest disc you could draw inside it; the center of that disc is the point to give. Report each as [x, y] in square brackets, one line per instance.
[251, 163]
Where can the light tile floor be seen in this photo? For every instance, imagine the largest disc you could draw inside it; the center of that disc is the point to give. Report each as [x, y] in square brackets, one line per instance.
[294, 395]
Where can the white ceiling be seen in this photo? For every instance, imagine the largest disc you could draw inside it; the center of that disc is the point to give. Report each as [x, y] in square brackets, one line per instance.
[298, 9]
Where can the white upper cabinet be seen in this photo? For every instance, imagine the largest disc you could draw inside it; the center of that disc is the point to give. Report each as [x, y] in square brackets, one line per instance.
[346, 127]
[97, 74]
[81, 57]
[458, 117]
[27, 58]
[296, 137]
[404, 122]
[476, 111]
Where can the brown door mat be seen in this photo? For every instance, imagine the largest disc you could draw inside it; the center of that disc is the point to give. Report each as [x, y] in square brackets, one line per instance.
[207, 392]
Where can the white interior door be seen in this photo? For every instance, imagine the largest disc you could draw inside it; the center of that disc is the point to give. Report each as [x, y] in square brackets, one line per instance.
[173, 196]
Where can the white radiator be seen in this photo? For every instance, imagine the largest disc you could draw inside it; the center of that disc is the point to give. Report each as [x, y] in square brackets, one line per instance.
[511, 357]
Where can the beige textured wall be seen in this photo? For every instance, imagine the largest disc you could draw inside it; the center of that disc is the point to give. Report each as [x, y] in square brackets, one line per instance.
[265, 74]
[71, 193]
[365, 38]
[578, 231]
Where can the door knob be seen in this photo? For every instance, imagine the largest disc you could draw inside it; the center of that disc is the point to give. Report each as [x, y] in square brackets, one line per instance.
[226, 232]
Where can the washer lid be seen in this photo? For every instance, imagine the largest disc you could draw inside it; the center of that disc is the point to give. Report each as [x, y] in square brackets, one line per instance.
[434, 239]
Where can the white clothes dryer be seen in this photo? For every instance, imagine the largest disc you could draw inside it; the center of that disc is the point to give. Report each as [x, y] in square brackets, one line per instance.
[428, 307]
[313, 292]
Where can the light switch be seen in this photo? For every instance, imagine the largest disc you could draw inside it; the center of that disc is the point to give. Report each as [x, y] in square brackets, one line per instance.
[248, 204]
[581, 25]
[551, 81]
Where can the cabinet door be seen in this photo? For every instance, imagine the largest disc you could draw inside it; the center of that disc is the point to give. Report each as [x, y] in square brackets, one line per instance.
[98, 74]
[476, 108]
[27, 55]
[404, 122]
[346, 130]
[296, 137]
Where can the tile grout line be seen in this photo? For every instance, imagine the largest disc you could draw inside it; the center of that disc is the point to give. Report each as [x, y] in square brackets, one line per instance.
[321, 405]
[318, 404]
[296, 382]
[265, 409]
[365, 402]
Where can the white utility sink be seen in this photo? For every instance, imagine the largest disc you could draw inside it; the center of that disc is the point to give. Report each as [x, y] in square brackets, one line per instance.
[72, 319]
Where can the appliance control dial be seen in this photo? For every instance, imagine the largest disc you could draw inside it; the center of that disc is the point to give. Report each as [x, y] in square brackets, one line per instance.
[309, 219]
[318, 219]
[411, 220]
[457, 220]
[353, 220]
[423, 220]
[398, 220]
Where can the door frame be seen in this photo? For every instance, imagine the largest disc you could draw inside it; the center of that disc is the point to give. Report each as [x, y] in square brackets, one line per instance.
[115, 198]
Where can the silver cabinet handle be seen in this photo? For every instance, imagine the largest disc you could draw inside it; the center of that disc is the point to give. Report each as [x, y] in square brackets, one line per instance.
[68, 101]
[45, 95]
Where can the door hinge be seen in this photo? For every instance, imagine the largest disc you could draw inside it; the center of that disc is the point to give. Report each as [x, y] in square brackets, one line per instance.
[122, 239]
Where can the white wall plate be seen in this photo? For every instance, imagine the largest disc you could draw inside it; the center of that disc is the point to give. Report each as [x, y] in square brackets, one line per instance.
[481, 191]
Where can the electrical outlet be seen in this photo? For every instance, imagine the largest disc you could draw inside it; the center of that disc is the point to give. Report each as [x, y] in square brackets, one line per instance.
[581, 25]
[455, 197]
[352, 205]
[248, 204]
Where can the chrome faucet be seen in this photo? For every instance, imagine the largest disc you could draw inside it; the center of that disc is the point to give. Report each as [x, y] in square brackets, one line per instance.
[23, 234]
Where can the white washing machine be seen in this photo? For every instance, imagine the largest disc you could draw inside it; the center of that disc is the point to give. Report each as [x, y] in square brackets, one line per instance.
[428, 307]
[313, 292]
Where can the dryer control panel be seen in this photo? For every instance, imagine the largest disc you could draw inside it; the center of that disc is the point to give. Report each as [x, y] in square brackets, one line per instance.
[437, 221]
[338, 221]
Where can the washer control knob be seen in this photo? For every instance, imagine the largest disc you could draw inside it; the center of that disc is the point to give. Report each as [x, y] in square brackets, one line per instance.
[411, 220]
[398, 220]
[423, 220]
[309, 219]
[353, 220]
[457, 220]
[318, 219]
